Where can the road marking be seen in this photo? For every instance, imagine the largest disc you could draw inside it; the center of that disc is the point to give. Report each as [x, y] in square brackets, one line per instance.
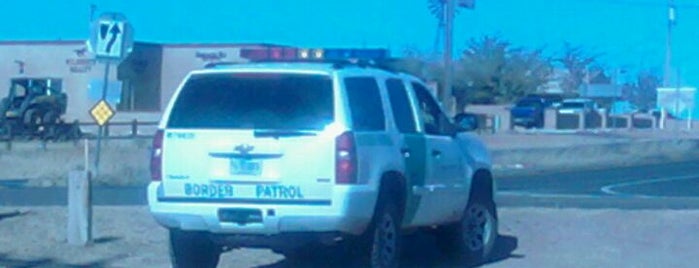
[609, 188]
[544, 195]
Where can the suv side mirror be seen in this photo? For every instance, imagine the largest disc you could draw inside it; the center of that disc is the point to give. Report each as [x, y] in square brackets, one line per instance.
[466, 122]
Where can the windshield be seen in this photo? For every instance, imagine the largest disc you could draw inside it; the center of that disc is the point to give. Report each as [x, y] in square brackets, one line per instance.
[572, 105]
[254, 101]
[529, 103]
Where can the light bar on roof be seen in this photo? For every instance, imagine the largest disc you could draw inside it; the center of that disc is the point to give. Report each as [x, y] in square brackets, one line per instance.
[304, 54]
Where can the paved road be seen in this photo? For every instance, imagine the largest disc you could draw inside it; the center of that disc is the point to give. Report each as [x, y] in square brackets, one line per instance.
[666, 186]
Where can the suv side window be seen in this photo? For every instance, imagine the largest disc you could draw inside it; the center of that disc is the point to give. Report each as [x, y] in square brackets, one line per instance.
[401, 107]
[365, 104]
[434, 120]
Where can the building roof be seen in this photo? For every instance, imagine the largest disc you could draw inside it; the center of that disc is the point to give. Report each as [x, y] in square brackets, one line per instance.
[42, 42]
[168, 45]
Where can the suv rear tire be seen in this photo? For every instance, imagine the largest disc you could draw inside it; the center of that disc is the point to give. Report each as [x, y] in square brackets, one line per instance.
[193, 249]
[472, 238]
[385, 235]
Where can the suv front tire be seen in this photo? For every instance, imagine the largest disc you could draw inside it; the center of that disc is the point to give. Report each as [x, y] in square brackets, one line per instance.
[472, 239]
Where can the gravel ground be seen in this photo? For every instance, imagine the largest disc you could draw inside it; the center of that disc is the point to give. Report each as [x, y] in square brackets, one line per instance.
[531, 237]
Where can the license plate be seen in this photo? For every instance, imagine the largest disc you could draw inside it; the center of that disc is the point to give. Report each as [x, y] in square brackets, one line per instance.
[210, 190]
[240, 215]
[246, 167]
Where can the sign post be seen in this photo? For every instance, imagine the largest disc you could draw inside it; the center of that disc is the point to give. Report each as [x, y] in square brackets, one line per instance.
[111, 40]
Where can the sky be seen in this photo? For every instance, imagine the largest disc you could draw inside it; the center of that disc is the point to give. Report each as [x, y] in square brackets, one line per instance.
[630, 34]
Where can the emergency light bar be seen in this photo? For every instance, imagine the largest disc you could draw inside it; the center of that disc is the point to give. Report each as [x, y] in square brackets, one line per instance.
[294, 54]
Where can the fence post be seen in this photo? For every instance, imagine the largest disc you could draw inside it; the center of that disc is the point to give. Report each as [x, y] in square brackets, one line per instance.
[663, 118]
[496, 123]
[581, 120]
[631, 119]
[79, 208]
[604, 117]
[134, 128]
[75, 132]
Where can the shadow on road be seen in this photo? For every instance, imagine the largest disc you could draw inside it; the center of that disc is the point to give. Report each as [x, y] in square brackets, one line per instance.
[106, 239]
[504, 246]
[419, 251]
[11, 214]
[6, 261]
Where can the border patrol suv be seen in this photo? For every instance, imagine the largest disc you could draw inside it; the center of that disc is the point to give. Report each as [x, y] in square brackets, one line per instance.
[289, 155]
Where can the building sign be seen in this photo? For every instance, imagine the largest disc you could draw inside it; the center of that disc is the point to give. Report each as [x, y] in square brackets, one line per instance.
[211, 56]
[80, 64]
[680, 102]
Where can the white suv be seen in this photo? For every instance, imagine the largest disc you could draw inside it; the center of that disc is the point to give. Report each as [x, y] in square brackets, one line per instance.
[290, 155]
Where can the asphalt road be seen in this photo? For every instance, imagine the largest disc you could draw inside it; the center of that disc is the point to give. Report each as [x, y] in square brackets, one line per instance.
[664, 186]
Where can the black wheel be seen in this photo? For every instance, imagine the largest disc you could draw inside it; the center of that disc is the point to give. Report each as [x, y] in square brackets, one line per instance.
[33, 119]
[50, 120]
[193, 249]
[6, 131]
[385, 235]
[472, 238]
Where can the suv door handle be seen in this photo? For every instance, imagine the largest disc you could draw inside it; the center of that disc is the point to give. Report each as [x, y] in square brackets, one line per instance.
[436, 153]
[405, 151]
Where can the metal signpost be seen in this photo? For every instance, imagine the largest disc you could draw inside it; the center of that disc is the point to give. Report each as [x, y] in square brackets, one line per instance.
[111, 40]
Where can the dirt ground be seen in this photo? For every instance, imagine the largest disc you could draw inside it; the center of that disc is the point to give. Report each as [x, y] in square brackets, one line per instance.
[531, 237]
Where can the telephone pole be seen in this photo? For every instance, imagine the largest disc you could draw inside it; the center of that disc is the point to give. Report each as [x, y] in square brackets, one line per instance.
[668, 43]
[446, 93]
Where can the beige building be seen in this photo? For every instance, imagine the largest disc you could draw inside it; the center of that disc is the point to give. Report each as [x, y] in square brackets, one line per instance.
[139, 87]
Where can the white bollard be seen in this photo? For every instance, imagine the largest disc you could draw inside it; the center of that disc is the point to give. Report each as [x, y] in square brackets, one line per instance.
[79, 208]
[663, 118]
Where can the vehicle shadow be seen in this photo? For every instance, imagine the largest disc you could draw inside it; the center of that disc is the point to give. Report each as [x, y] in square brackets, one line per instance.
[420, 250]
[7, 261]
[10, 214]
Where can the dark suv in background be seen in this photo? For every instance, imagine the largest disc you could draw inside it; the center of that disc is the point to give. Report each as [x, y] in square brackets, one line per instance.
[529, 111]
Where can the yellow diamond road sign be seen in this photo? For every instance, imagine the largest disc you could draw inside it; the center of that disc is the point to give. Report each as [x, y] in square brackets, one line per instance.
[102, 112]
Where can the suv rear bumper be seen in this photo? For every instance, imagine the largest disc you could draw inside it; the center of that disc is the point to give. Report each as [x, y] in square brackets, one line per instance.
[349, 212]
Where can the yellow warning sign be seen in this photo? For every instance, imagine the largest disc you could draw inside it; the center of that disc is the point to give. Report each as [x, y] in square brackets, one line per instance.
[102, 112]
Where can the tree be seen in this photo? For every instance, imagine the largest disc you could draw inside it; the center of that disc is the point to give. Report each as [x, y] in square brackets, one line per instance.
[492, 71]
[647, 84]
[415, 63]
[576, 61]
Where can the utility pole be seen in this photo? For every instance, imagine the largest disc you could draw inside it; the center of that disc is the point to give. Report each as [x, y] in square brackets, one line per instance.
[445, 95]
[668, 44]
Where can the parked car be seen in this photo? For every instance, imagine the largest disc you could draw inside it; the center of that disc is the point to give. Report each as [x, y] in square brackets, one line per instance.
[550, 99]
[529, 112]
[580, 105]
[623, 107]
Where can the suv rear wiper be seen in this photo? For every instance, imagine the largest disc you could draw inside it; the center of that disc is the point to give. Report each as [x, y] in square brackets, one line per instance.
[279, 133]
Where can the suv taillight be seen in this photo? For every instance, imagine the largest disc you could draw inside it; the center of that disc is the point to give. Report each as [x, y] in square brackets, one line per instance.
[345, 159]
[156, 158]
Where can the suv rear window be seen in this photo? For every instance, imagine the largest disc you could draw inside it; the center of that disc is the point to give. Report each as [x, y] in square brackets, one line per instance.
[254, 101]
